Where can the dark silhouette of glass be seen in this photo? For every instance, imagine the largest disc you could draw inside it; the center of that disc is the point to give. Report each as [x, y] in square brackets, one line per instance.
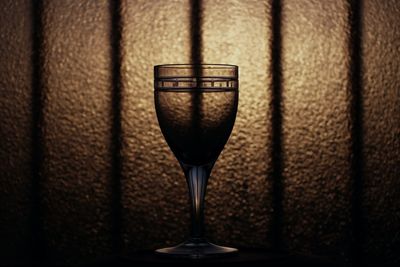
[196, 108]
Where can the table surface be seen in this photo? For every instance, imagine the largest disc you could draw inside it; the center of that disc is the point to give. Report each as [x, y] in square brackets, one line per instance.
[245, 257]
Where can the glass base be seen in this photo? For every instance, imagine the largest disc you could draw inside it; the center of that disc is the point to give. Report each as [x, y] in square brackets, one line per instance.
[196, 249]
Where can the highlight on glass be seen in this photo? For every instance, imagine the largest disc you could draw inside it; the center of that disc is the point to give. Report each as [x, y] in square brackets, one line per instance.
[196, 107]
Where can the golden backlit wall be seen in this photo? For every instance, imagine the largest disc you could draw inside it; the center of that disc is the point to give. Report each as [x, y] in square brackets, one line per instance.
[312, 162]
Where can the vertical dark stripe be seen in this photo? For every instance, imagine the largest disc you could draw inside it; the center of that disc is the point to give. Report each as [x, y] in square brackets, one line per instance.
[356, 113]
[276, 123]
[196, 58]
[195, 34]
[37, 241]
[116, 145]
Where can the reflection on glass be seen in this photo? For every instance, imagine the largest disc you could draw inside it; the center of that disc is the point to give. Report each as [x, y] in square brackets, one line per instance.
[196, 108]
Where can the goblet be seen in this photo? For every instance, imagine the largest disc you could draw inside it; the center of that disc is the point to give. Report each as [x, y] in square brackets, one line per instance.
[196, 108]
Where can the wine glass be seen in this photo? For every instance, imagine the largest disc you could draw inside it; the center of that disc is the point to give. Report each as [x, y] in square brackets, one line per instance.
[196, 108]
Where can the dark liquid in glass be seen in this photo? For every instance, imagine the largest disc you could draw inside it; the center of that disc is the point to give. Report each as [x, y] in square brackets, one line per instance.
[196, 123]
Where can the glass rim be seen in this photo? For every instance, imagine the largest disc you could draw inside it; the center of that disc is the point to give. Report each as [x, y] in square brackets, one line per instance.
[190, 66]
[171, 71]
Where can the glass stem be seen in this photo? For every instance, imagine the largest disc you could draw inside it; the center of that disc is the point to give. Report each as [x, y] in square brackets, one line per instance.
[197, 178]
